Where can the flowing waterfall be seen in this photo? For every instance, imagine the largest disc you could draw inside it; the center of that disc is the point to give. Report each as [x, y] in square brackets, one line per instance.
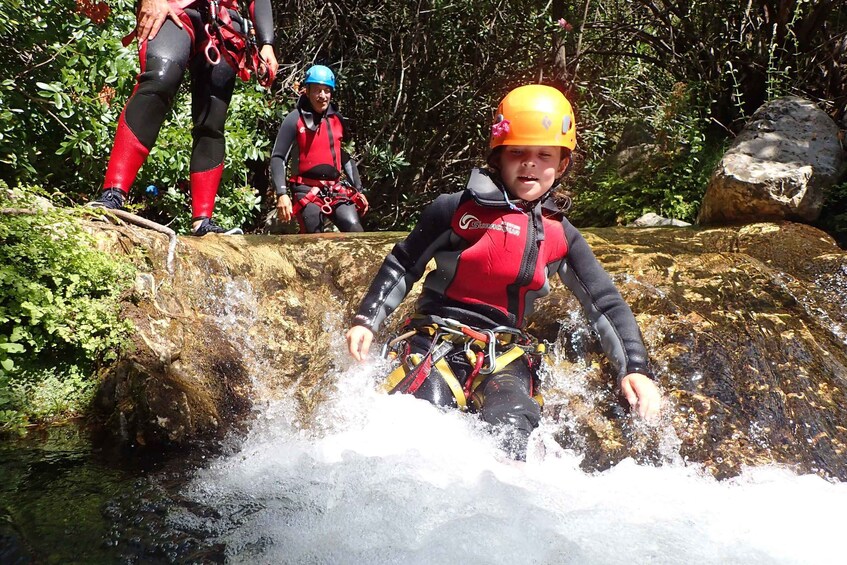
[390, 479]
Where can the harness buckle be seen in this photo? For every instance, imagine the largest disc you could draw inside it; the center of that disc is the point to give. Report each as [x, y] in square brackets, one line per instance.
[249, 32]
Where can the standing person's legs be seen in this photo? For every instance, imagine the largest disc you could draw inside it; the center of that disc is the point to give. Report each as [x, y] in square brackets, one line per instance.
[346, 217]
[211, 93]
[309, 217]
[163, 63]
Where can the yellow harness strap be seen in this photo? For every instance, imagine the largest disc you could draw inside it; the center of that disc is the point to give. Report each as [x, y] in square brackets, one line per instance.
[502, 362]
[451, 380]
[398, 374]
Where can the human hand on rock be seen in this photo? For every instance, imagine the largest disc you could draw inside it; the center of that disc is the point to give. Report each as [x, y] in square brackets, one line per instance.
[642, 394]
[359, 340]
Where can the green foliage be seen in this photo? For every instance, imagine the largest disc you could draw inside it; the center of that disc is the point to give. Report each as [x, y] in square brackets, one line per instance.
[62, 70]
[59, 314]
[382, 162]
[670, 176]
[419, 82]
[384, 166]
[834, 216]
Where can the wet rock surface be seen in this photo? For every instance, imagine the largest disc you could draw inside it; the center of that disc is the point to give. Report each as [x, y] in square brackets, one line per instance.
[746, 327]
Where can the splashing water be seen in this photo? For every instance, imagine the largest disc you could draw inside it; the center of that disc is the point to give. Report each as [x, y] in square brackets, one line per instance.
[390, 479]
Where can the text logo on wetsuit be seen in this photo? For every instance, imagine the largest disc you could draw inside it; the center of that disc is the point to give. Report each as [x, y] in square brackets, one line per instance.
[471, 222]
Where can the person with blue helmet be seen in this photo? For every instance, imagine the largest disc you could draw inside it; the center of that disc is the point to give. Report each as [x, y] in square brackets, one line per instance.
[314, 132]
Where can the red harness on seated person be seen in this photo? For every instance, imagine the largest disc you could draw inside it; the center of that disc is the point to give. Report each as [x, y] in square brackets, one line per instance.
[327, 195]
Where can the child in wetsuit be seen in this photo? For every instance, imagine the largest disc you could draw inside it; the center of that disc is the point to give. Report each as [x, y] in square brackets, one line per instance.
[495, 244]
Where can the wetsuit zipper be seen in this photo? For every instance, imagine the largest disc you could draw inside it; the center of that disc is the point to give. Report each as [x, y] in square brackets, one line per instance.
[335, 161]
[527, 269]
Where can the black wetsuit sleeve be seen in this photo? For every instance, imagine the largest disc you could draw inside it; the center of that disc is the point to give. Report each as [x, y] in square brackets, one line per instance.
[263, 19]
[351, 170]
[610, 315]
[407, 261]
[282, 149]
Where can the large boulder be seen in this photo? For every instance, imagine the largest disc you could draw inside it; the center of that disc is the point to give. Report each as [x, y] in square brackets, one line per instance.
[779, 166]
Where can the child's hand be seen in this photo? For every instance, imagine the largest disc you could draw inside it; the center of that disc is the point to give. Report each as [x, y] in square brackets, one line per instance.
[642, 394]
[359, 340]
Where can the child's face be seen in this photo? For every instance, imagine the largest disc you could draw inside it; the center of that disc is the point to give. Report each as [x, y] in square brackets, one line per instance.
[528, 171]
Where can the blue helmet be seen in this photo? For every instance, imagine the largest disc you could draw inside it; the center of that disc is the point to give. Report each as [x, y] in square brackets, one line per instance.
[318, 74]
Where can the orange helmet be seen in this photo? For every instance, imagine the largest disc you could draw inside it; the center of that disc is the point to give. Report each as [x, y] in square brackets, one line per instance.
[534, 115]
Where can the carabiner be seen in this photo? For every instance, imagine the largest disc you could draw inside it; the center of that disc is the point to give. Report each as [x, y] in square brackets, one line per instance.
[492, 353]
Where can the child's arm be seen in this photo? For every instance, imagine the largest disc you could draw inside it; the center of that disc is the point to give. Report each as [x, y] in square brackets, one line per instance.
[613, 320]
[401, 268]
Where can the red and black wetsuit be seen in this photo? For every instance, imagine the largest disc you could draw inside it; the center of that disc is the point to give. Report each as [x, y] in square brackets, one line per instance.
[315, 140]
[164, 60]
[492, 262]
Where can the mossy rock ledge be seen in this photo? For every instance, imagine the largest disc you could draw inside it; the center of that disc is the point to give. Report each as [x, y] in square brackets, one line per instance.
[746, 328]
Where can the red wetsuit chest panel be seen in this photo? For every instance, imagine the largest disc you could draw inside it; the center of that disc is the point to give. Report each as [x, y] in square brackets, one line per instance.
[503, 259]
[322, 146]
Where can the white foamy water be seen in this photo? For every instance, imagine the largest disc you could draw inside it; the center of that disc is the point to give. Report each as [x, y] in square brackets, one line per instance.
[392, 479]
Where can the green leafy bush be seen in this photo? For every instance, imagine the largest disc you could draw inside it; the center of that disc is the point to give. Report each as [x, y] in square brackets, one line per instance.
[834, 216]
[59, 316]
[63, 74]
[669, 177]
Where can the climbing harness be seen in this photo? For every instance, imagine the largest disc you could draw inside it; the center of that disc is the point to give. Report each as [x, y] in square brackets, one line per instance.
[488, 352]
[327, 195]
[223, 40]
